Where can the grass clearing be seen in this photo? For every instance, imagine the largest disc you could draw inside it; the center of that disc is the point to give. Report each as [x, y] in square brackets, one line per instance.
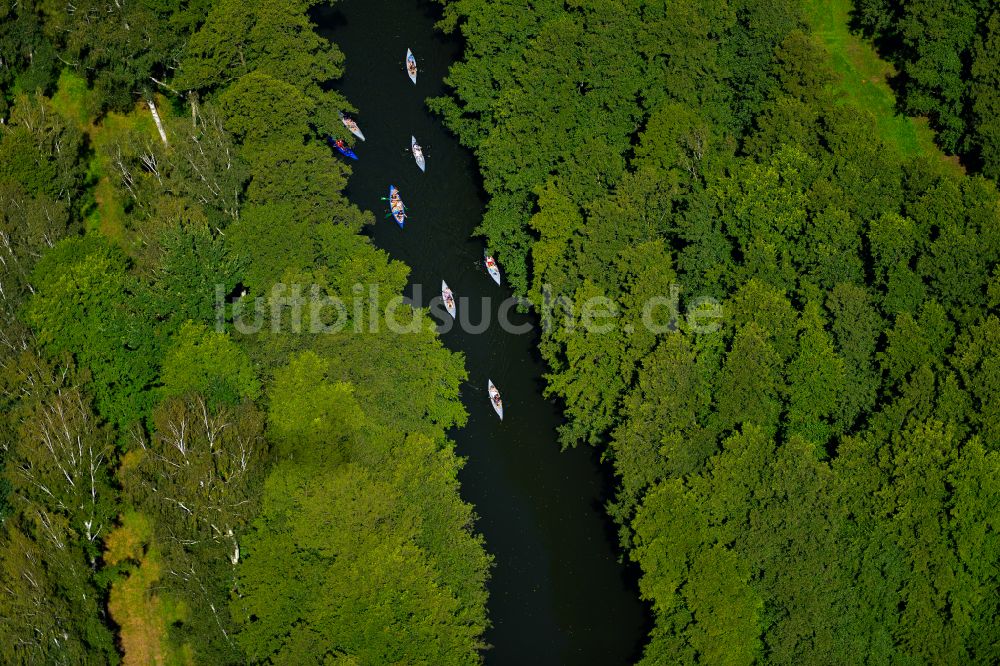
[142, 614]
[864, 80]
[76, 102]
[109, 216]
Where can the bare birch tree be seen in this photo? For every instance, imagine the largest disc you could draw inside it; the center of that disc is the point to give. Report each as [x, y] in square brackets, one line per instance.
[200, 476]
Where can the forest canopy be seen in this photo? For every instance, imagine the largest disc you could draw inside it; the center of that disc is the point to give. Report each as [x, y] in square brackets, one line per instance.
[173, 490]
[815, 482]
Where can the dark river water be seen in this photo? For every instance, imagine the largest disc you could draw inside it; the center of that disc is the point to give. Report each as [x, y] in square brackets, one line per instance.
[558, 594]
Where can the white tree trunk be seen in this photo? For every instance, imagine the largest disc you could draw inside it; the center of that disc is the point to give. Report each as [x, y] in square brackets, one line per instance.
[156, 119]
[235, 559]
[193, 98]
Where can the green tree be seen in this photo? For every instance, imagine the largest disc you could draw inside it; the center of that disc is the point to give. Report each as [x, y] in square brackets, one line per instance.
[191, 267]
[30, 58]
[41, 150]
[978, 365]
[661, 436]
[332, 570]
[595, 341]
[121, 47]
[207, 362]
[258, 107]
[937, 40]
[88, 305]
[51, 609]
[816, 382]
[199, 477]
[309, 413]
[404, 524]
[276, 39]
[57, 465]
[28, 225]
[727, 609]
[983, 89]
[749, 386]
[856, 327]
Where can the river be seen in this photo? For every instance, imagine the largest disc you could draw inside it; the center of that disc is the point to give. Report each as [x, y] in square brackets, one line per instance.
[558, 594]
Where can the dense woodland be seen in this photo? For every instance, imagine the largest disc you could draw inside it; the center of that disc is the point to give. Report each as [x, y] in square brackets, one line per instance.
[176, 494]
[818, 481]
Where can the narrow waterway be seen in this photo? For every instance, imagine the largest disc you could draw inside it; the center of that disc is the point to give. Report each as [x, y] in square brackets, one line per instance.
[558, 594]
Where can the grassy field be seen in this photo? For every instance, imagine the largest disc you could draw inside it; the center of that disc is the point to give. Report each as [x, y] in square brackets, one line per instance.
[864, 79]
[74, 100]
[142, 615]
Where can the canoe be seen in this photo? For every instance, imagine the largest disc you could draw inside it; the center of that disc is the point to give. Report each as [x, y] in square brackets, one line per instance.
[418, 152]
[344, 149]
[495, 399]
[411, 66]
[351, 126]
[493, 269]
[448, 298]
[398, 212]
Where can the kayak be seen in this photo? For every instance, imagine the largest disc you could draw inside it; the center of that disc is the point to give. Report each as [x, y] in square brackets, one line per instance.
[411, 66]
[342, 148]
[398, 211]
[493, 269]
[418, 152]
[495, 399]
[448, 298]
[351, 126]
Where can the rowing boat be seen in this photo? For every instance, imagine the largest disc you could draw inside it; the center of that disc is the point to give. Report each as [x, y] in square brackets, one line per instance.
[396, 207]
[418, 152]
[351, 126]
[411, 66]
[448, 298]
[493, 269]
[495, 399]
[342, 147]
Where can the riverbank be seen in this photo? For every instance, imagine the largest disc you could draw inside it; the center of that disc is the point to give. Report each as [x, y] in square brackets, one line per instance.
[557, 593]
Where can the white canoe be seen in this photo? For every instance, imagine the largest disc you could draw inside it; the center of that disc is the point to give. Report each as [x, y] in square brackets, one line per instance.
[492, 268]
[411, 66]
[418, 153]
[351, 126]
[495, 399]
[448, 298]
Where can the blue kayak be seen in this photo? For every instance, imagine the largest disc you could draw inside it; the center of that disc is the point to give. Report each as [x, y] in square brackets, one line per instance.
[342, 148]
[398, 210]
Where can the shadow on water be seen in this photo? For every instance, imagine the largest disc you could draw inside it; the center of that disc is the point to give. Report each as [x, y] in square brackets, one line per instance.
[558, 594]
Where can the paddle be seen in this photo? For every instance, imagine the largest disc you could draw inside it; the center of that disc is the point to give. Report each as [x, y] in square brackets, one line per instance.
[405, 214]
